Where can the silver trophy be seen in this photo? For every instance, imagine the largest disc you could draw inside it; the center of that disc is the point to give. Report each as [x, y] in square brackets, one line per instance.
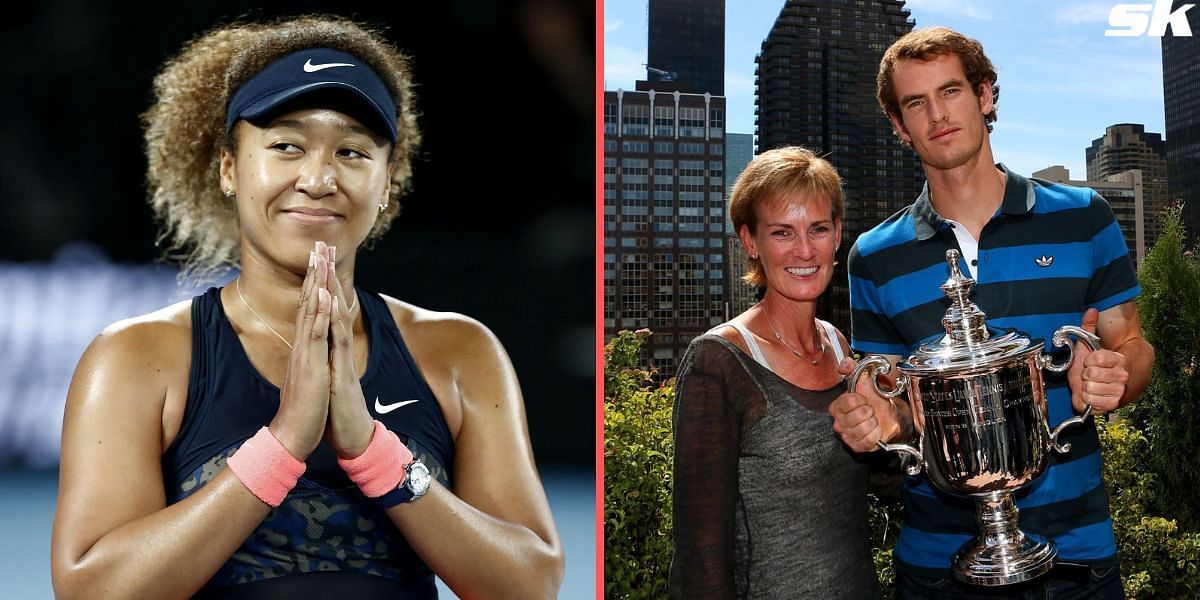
[979, 409]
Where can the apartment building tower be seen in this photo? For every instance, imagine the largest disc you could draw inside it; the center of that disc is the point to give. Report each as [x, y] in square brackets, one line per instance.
[1181, 104]
[815, 81]
[1128, 147]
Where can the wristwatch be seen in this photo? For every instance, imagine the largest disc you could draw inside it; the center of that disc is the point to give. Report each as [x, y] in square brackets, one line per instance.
[416, 479]
[416, 483]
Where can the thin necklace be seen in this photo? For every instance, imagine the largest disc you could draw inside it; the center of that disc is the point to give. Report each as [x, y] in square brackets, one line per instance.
[238, 285]
[775, 331]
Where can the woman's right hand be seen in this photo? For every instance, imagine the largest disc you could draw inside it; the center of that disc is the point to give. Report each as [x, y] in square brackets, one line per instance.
[304, 396]
[862, 418]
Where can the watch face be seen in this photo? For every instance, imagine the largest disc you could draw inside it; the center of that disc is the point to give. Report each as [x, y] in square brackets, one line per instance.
[418, 478]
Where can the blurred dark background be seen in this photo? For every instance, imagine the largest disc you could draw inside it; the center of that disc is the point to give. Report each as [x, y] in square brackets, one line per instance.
[499, 224]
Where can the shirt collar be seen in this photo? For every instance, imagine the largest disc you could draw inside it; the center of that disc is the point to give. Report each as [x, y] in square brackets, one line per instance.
[1018, 200]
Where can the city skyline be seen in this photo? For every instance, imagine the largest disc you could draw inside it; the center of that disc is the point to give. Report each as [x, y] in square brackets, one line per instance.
[1062, 81]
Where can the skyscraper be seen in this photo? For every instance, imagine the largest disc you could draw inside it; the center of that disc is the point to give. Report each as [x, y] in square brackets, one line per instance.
[686, 45]
[741, 294]
[1181, 103]
[1126, 147]
[739, 151]
[664, 218]
[816, 88]
[664, 185]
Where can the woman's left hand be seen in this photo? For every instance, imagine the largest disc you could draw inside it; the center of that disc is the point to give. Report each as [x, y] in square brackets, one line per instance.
[349, 427]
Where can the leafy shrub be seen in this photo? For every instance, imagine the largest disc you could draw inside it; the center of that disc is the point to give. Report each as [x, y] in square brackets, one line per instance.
[885, 528]
[1149, 451]
[638, 454]
[1169, 411]
[1158, 560]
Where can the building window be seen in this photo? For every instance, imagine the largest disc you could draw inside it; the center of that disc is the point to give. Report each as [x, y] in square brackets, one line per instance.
[691, 122]
[610, 118]
[610, 166]
[635, 119]
[633, 166]
[691, 168]
[635, 191]
[664, 120]
[635, 147]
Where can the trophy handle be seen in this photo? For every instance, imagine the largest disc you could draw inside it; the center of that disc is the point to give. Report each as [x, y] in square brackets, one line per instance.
[878, 365]
[1060, 341]
[915, 467]
[1045, 362]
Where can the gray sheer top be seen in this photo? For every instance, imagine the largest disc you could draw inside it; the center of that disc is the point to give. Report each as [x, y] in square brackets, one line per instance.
[768, 503]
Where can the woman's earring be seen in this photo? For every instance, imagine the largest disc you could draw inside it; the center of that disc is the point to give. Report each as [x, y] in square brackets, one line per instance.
[383, 206]
[229, 193]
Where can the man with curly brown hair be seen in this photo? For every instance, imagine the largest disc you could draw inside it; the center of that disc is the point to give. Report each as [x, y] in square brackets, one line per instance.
[1043, 255]
[290, 435]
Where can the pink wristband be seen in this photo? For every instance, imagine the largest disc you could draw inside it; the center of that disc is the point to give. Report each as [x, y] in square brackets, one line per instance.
[265, 467]
[380, 468]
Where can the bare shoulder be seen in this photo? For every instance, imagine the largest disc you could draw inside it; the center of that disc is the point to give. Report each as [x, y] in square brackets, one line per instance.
[138, 363]
[160, 338]
[439, 330]
[732, 334]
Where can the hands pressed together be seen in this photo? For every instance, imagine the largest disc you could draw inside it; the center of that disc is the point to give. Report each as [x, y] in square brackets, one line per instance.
[321, 398]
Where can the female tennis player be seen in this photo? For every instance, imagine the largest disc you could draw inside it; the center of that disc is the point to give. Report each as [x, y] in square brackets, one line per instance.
[291, 435]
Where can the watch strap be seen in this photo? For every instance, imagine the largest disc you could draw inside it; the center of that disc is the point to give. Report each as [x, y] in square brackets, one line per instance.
[402, 493]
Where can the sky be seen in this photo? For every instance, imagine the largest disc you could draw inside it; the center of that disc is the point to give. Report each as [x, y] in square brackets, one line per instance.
[1062, 81]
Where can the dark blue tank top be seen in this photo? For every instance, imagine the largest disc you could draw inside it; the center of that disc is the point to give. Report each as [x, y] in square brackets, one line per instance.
[325, 536]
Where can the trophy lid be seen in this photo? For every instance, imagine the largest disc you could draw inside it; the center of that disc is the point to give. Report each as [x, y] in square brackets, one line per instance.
[969, 343]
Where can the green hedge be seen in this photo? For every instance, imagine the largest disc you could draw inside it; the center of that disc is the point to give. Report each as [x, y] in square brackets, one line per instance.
[638, 454]
[1169, 412]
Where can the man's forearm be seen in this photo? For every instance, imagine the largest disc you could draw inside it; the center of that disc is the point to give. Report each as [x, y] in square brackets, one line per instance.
[1139, 362]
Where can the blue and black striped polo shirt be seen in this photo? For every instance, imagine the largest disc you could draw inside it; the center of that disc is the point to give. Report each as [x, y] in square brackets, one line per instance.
[1048, 254]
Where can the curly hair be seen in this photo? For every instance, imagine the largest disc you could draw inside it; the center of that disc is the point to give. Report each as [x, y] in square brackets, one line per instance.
[924, 44]
[185, 127]
[787, 173]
